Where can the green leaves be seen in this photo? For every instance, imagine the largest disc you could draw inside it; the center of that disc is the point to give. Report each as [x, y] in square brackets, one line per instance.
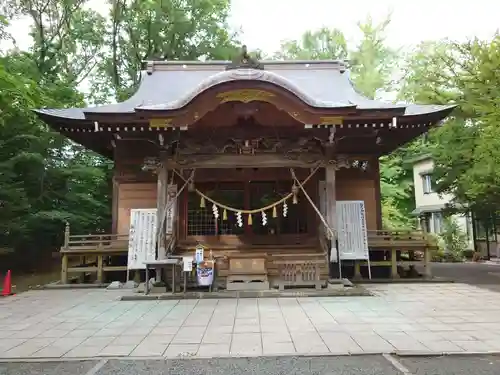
[323, 44]
[372, 67]
[466, 149]
[46, 180]
[164, 29]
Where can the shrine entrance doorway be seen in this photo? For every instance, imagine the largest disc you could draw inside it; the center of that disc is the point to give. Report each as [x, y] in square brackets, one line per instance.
[275, 226]
[277, 222]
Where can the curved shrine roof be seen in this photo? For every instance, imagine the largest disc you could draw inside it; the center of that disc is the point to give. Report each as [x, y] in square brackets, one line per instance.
[169, 85]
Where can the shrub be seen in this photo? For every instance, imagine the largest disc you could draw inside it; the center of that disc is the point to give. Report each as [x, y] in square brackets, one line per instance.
[454, 240]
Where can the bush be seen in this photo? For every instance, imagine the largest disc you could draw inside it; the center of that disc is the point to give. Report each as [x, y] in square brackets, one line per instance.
[454, 240]
[437, 255]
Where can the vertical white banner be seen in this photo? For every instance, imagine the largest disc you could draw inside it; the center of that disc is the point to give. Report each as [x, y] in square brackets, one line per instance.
[141, 245]
[352, 232]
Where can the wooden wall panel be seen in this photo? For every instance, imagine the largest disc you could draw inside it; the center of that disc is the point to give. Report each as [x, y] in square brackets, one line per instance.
[133, 195]
[358, 185]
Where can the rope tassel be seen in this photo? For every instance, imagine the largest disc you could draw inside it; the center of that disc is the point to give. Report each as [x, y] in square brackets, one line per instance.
[202, 202]
[250, 222]
[224, 214]
[275, 213]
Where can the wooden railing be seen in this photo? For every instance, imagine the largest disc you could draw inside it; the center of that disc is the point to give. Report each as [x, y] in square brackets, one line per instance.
[93, 251]
[416, 244]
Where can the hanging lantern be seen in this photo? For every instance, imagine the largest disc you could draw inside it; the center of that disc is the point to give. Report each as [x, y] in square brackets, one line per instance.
[202, 202]
[224, 214]
[250, 222]
[295, 192]
[275, 214]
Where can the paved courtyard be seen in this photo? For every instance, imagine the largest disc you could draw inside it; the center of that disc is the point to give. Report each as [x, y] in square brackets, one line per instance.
[427, 318]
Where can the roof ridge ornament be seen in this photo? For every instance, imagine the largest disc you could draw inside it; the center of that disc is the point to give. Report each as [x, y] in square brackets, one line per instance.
[244, 61]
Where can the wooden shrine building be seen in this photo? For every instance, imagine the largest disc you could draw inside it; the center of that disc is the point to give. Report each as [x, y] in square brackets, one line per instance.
[253, 157]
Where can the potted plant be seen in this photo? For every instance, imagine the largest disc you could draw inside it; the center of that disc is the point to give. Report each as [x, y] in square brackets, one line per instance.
[158, 287]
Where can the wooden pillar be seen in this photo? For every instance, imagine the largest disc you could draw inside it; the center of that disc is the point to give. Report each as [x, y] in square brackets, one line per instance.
[114, 207]
[331, 198]
[427, 263]
[378, 194]
[64, 257]
[331, 213]
[64, 269]
[100, 273]
[357, 270]
[161, 200]
[394, 264]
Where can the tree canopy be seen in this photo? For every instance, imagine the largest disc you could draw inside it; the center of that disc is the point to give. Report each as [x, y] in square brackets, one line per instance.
[79, 57]
[466, 149]
[372, 68]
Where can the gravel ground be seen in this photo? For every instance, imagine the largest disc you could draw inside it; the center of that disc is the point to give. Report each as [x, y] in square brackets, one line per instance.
[453, 365]
[345, 365]
[360, 365]
[47, 368]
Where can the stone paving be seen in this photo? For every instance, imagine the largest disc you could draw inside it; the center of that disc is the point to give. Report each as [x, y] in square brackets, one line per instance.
[415, 318]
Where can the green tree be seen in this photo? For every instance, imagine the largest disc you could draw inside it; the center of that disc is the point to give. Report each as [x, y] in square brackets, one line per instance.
[372, 67]
[159, 29]
[46, 180]
[465, 149]
[323, 44]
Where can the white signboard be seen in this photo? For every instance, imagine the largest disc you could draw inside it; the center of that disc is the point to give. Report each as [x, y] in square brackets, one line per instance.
[351, 230]
[141, 243]
[170, 214]
[187, 264]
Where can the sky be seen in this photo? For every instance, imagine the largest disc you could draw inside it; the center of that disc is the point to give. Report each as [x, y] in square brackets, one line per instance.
[266, 23]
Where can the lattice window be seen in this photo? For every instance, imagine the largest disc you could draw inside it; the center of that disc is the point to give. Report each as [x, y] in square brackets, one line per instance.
[201, 221]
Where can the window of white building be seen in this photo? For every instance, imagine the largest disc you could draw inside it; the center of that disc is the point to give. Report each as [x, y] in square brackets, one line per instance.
[434, 222]
[427, 183]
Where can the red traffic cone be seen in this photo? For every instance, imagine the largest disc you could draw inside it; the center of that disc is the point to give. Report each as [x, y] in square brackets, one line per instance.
[7, 285]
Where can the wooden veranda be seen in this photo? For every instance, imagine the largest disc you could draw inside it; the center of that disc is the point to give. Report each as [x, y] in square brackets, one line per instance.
[93, 254]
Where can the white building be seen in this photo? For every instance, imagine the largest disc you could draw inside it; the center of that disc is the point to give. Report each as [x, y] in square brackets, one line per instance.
[429, 204]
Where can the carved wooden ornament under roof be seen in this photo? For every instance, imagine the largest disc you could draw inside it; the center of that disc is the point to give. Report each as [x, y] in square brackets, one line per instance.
[244, 60]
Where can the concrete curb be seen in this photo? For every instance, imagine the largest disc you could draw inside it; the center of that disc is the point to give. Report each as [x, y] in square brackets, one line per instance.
[348, 292]
[73, 286]
[437, 280]
[311, 355]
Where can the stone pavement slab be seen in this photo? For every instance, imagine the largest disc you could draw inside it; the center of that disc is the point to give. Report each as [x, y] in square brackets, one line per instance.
[423, 318]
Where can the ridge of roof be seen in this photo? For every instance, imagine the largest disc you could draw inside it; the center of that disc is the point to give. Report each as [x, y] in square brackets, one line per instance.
[313, 82]
[263, 62]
